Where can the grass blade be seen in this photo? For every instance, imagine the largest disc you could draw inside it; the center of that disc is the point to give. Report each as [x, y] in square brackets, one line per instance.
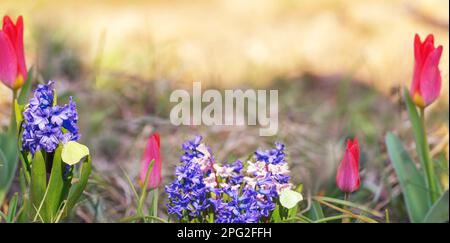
[351, 204]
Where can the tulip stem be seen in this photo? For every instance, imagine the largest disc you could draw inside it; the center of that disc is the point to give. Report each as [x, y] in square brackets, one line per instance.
[154, 211]
[429, 169]
[346, 197]
[13, 111]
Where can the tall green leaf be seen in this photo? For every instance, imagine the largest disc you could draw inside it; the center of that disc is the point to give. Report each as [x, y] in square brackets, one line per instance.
[38, 181]
[77, 187]
[316, 212]
[3, 176]
[8, 161]
[411, 180]
[422, 148]
[12, 208]
[55, 187]
[25, 90]
[439, 212]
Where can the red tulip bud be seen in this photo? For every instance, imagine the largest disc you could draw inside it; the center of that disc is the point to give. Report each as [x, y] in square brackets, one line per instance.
[152, 152]
[13, 70]
[426, 84]
[347, 177]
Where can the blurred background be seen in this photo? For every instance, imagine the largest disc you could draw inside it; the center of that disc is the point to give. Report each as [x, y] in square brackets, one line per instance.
[339, 66]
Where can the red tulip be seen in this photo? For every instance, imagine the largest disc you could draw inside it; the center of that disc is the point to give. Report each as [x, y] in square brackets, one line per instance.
[13, 70]
[347, 177]
[426, 84]
[152, 152]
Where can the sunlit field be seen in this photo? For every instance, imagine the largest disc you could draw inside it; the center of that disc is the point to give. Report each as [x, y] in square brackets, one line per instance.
[340, 67]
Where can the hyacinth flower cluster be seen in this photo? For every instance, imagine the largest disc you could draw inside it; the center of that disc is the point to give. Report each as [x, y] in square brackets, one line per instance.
[206, 191]
[47, 124]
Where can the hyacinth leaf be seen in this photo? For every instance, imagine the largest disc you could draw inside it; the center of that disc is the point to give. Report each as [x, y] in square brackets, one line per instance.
[438, 213]
[23, 212]
[19, 116]
[420, 138]
[77, 187]
[74, 152]
[289, 198]
[55, 188]
[26, 207]
[411, 180]
[25, 91]
[276, 216]
[38, 180]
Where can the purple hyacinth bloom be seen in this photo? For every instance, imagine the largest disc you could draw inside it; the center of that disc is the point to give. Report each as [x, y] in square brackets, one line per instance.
[44, 121]
[271, 156]
[187, 194]
[201, 186]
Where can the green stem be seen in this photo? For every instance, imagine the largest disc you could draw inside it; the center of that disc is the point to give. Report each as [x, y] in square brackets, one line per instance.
[345, 219]
[13, 111]
[429, 169]
[154, 211]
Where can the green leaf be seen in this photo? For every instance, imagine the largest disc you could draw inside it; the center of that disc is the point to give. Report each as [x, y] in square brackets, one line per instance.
[438, 213]
[143, 196]
[55, 188]
[8, 160]
[78, 187]
[73, 152]
[25, 91]
[25, 210]
[289, 198]
[276, 217]
[3, 176]
[316, 212]
[411, 180]
[422, 148]
[18, 112]
[12, 208]
[38, 181]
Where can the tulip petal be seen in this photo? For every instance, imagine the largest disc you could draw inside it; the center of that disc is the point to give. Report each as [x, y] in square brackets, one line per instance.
[10, 29]
[429, 39]
[152, 152]
[355, 149]
[20, 49]
[430, 85]
[347, 177]
[418, 63]
[417, 48]
[8, 61]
